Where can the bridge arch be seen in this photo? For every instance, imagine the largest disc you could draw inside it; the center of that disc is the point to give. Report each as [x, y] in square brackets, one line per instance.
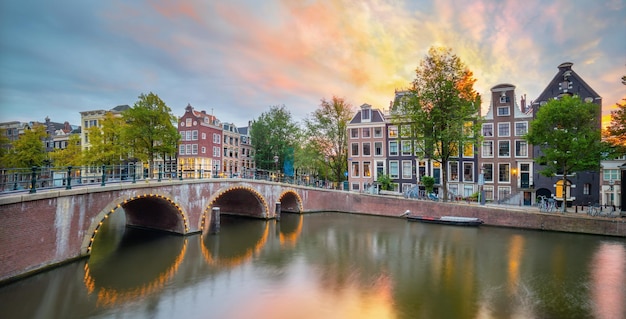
[165, 214]
[290, 201]
[237, 200]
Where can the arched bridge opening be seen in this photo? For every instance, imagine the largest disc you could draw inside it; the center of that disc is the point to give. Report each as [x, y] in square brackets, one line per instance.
[240, 200]
[290, 202]
[147, 211]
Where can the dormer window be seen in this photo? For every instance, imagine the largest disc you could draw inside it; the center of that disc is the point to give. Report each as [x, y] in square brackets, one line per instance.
[504, 99]
[366, 115]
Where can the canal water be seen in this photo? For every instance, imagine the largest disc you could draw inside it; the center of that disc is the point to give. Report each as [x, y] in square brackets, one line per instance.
[330, 265]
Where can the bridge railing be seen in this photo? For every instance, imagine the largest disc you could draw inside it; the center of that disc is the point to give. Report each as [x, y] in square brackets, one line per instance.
[48, 177]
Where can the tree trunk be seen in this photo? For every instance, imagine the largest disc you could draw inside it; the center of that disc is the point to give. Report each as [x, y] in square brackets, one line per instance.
[444, 183]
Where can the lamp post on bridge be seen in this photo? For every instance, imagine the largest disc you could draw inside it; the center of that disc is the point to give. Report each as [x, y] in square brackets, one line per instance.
[276, 166]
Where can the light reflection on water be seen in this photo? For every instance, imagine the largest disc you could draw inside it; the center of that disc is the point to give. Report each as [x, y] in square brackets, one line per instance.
[608, 275]
[332, 266]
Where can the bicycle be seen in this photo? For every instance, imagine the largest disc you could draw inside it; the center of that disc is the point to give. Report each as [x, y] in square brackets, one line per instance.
[593, 210]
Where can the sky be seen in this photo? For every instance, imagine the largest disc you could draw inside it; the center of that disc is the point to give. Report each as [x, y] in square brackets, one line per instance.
[236, 59]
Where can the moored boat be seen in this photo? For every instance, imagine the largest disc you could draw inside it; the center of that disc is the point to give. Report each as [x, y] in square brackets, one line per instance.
[447, 220]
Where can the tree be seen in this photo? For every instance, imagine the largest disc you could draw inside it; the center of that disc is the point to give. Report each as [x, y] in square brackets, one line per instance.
[69, 156]
[274, 133]
[568, 132]
[149, 129]
[28, 150]
[385, 182]
[442, 107]
[615, 133]
[107, 143]
[327, 130]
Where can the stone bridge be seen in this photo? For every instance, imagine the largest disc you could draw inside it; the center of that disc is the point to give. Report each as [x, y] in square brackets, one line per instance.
[54, 226]
[58, 225]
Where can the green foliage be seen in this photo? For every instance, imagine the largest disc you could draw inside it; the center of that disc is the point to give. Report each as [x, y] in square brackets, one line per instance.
[107, 143]
[328, 135]
[69, 156]
[616, 131]
[149, 129]
[385, 182]
[568, 132]
[273, 134]
[443, 107]
[428, 182]
[28, 150]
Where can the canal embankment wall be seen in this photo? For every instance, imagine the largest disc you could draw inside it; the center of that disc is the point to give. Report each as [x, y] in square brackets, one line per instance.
[493, 215]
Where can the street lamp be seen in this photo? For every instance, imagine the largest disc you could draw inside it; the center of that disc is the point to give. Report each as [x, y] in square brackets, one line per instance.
[276, 165]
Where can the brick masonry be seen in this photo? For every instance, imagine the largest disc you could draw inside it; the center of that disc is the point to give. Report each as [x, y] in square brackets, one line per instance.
[47, 228]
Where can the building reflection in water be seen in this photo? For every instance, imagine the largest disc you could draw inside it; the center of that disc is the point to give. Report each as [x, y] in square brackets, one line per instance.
[608, 282]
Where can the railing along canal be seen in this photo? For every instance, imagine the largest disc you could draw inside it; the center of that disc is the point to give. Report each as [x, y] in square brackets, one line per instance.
[15, 180]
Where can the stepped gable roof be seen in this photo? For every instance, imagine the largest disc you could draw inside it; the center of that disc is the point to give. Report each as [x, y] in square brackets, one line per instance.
[567, 81]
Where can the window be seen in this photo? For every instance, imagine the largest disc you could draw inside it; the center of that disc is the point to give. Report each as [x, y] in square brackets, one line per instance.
[188, 122]
[194, 135]
[216, 151]
[503, 172]
[521, 149]
[181, 149]
[355, 169]
[488, 149]
[194, 149]
[182, 135]
[504, 149]
[380, 168]
[503, 129]
[355, 186]
[378, 148]
[216, 138]
[503, 111]
[355, 149]
[367, 170]
[468, 172]
[393, 169]
[367, 149]
[488, 172]
[204, 136]
[406, 147]
[203, 150]
[521, 128]
[488, 192]
[188, 149]
[504, 192]
[586, 189]
[354, 133]
[366, 115]
[366, 132]
[468, 150]
[488, 129]
[393, 148]
[610, 174]
[188, 136]
[405, 130]
[393, 131]
[453, 171]
[407, 169]
[378, 132]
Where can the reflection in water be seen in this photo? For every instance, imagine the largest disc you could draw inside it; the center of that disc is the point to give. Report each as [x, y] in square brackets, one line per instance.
[608, 279]
[290, 229]
[328, 265]
[112, 277]
[516, 247]
[235, 244]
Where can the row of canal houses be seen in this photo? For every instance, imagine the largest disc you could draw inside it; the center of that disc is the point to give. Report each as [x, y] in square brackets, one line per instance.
[378, 145]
